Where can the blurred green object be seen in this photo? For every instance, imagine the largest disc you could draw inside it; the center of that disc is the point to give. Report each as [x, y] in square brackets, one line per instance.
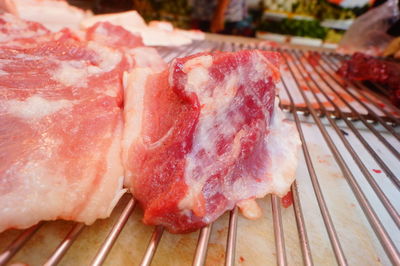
[303, 28]
[334, 36]
[175, 11]
[322, 9]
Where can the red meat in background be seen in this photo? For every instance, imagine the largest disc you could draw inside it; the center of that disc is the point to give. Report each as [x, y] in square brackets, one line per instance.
[363, 67]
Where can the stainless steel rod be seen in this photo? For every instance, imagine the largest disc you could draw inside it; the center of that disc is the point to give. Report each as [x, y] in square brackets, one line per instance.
[301, 227]
[385, 201]
[114, 233]
[336, 246]
[231, 240]
[64, 245]
[17, 243]
[152, 246]
[381, 163]
[202, 245]
[278, 231]
[364, 203]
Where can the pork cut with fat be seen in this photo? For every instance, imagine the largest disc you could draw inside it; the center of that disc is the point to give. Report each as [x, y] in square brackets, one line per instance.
[204, 135]
[60, 127]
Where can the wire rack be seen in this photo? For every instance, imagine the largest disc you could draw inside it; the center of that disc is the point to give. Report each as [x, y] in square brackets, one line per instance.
[357, 127]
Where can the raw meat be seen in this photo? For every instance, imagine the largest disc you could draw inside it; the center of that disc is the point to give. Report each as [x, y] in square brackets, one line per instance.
[204, 135]
[133, 22]
[365, 67]
[60, 127]
[54, 15]
[113, 36]
[131, 44]
[12, 28]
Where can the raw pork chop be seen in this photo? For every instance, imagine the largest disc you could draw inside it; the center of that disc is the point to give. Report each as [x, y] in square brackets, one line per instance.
[60, 130]
[204, 135]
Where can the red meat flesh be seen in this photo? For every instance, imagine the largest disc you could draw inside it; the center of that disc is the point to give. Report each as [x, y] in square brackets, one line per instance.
[364, 67]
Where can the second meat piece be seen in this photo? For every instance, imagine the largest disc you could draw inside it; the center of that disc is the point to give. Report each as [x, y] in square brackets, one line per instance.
[204, 135]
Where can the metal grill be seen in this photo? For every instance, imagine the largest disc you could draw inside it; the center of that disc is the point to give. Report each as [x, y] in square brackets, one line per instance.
[359, 130]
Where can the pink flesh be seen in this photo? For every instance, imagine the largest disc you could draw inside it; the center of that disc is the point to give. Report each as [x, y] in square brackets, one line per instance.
[60, 135]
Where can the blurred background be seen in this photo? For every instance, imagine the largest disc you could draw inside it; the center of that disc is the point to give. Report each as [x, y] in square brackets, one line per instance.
[304, 22]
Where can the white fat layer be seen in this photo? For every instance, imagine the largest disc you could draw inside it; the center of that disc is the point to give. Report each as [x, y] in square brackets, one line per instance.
[54, 15]
[204, 61]
[129, 20]
[18, 25]
[148, 57]
[283, 145]
[49, 194]
[71, 73]
[36, 107]
[250, 208]
[110, 58]
[187, 202]
[135, 83]
[112, 181]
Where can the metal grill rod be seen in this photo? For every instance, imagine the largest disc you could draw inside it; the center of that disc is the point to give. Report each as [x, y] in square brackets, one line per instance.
[381, 89]
[278, 231]
[114, 233]
[385, 201]
[231, 239]
[335, 243]
[17, 243]
[202, 245]
[362, 87]
[301, 227]
[65, 245]
[364, 203]
[152, 246]
[381, 163]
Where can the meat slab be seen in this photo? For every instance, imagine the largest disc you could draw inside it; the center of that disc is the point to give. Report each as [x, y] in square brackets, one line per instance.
[61, 125]
[204, 135]
[365, 67]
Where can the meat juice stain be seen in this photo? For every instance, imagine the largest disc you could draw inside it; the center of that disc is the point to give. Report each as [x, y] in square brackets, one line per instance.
[322, 161]
[344, 132]
[377, 171]
[241, 259]
[287, 200]
[381, 105]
